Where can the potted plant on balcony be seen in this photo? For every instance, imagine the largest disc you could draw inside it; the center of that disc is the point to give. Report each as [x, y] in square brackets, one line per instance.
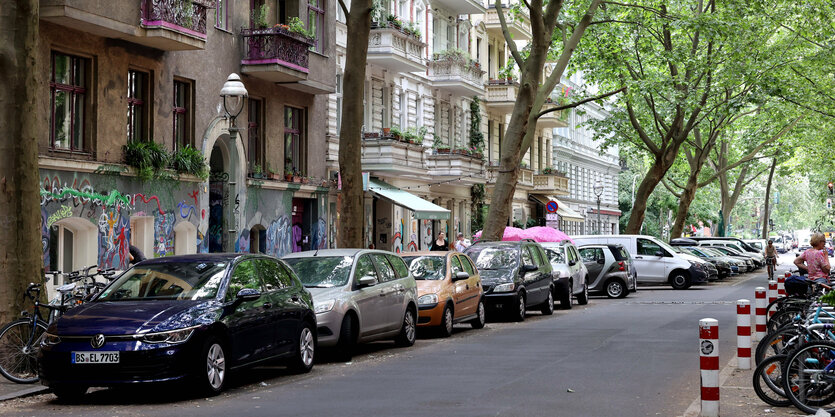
[295, 25]
[386, 131]
[439, 146]
[396, 133]
[260, 17]
[394, 21]
[548, 171]
[297, 176]
[288, 175]
[305, 180]
[257, 171]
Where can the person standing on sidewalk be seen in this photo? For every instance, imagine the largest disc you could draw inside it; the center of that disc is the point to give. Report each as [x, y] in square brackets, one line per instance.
[814, 260]
[461, 244]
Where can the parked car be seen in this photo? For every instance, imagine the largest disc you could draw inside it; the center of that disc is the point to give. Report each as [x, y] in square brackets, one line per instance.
[738, 263]
[515, 276]
[722, 265]
[449, 290]
[736, 254]
[655, 261]
[608, 267]
[735, 243]
[359, 296]
[572, 277]
[192, 317]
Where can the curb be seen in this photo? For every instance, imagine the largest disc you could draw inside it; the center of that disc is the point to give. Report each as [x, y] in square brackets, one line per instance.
[28, 392]
[695, 408]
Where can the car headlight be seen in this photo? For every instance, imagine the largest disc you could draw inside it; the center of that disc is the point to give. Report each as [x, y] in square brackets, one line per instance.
[505, 287]
[323, 306]
[50, 339]
[172, 337]
[428, 299]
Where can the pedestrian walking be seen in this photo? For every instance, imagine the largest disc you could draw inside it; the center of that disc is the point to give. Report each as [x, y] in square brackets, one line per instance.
[461, 243]
[136, 255]
[440, 244]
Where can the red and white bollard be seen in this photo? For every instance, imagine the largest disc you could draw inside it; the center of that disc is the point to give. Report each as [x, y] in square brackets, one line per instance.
[743, 333]
[781, 287]
[772, 295]
[759, 309]
[709, 366]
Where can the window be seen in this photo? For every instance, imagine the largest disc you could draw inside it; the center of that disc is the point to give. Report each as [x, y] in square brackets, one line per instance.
[364, 268]
[648, 247]
[468, 265]
[222, 14]
[591, 254]
[138, 104]
[399, 266]
[338, 102]
[244, 276]
[275, 277]
[294, 149]
[527, 259]
[315, 23]
[383, 268]
[455, 266]
[183, 113]
[68, 91]
[256, 133]
[501, 137]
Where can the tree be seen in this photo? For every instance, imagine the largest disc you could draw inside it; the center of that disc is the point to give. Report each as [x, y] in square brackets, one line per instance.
[21, 255]
[545, 26]
[351, 208]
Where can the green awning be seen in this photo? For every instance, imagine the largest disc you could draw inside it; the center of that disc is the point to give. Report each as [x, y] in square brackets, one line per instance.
[423, 209]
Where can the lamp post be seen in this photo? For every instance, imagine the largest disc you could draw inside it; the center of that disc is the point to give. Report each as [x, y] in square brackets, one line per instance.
[598, 191]
[234, 94]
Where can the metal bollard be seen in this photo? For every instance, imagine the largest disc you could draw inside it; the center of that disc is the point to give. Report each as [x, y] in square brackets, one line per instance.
[781, 287]
[709, 366]
[743, 333]
[759, 309]
[772, 295]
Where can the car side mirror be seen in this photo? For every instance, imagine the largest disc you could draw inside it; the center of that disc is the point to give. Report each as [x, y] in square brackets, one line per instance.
[601, 261]
[248, 294]
[367, 281]
[572, 263]
[529, 268]
[460, 275]
[659, 253]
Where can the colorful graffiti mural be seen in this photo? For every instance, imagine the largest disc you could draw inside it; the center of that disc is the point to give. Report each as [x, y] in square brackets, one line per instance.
[279, 237]
[114, 239]
[164, 235]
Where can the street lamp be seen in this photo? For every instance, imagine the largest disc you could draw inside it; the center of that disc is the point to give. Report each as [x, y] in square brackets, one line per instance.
[233, 93]
[598, 191]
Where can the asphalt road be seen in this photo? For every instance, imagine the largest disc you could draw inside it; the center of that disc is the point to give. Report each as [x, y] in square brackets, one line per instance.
[632, 357]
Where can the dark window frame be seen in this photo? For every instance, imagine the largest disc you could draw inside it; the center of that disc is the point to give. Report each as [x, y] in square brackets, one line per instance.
[255, 133]
[77, 64]
[143, 104]
[183, 110]
[319, 28]
[294, 126]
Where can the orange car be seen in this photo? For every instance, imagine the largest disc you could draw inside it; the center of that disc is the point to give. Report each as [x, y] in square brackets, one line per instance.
[449, 290]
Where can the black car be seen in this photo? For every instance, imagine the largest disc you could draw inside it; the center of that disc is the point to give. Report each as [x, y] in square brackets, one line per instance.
[183, 318]
[515, 276]
[722, 266]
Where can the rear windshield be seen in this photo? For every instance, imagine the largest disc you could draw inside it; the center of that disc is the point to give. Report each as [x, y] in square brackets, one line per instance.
[620, 253]
[431, 268]
[503, 257]
[555, 256]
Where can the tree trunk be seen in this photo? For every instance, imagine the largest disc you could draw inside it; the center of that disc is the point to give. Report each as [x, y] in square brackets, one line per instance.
[21, 255]
[687, 196]
[351, 208]
[639, 209]
[767, 212]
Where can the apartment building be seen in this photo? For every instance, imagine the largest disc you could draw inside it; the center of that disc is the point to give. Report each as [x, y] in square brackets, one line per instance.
[435, 77]
[118, 78]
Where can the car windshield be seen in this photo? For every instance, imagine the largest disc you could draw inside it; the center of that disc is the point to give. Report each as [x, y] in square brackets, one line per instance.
[665, 246]
[494, 257]
[197, 280]
[322, 271]
[427, 267]
[555, 256]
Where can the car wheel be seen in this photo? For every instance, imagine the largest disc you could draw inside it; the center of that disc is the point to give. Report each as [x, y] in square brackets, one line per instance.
[302, 362]
[408, 331]
[345, 345]
[446, 322]
[548, 305]
[583, 297]
[565, 297]
[68, 393]
[679, 280]
[481, 316]
[615, 289]
[213, 369]
[518, 311]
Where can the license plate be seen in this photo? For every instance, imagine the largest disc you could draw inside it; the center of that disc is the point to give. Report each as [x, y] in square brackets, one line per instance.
[95, 357]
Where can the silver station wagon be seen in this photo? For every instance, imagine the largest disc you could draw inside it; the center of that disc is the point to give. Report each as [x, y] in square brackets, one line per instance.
[359, 296]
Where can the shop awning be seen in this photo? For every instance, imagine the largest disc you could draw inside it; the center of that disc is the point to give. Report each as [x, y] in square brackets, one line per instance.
[565, 212]
[422, 208]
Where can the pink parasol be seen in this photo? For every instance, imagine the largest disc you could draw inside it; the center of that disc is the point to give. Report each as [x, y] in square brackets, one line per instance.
[539, 234]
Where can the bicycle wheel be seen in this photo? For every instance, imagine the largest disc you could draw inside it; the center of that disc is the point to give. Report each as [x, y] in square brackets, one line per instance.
[780, 342]
[779, 320]
[18, 359]
[809, 377]
[768, 382]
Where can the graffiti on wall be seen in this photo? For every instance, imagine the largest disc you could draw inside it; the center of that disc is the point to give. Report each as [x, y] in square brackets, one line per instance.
[114, 239]
[320, 235]
[413, 236]
[279, 237]
[426, 237]
[164, 234]
[242, 243]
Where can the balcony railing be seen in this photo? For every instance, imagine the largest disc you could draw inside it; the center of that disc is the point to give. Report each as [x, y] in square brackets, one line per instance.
[519, 27]
[394, 49]
[557, 118]
[525, 178]
[276, 46]
[551, 183]
[470, 168]
[391, 155]
[501, 95]
[460, 75]
[186, 16]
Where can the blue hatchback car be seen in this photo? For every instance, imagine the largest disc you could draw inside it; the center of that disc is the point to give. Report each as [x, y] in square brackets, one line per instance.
[192, 317]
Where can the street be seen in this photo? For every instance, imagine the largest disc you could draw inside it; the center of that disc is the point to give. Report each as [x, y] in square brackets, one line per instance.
[630, 357]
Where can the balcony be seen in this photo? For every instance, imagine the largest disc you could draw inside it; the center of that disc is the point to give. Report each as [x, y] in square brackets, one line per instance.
[519, 28]
[168, 25]
[525, 178]
[457, 7]
[381, 154]
[501, 95]
[552, 119]
[553, 183]
[457, 74]
[391, 48]
[280, 56]
[469, 168]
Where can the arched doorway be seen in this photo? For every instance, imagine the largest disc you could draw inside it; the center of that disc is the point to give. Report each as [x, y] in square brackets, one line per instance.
[223, 195]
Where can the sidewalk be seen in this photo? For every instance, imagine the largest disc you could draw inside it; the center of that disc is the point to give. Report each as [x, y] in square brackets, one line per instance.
[10, 390]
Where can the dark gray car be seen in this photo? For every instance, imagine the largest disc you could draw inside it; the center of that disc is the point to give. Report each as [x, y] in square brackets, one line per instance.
[608, 267]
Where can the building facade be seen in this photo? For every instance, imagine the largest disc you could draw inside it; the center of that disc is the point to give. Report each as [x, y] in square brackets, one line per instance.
[581, 157]
[434, 79]
[127, 84]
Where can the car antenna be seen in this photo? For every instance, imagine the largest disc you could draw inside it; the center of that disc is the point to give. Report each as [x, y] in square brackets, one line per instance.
[317, 252]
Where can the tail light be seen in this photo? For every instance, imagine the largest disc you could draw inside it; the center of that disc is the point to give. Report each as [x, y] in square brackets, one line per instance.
[620, 266]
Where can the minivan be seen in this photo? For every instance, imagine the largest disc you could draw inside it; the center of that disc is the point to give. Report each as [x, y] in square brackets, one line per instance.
[655, 261]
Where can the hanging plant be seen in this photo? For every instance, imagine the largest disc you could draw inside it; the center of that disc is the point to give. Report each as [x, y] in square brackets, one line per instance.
[188, 160]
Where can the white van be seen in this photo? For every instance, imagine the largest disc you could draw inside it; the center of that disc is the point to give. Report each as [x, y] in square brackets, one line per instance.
[655, 261]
